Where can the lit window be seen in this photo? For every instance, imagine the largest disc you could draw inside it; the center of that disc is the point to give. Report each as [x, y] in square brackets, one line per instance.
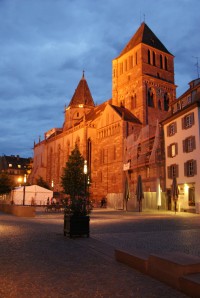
[19, 166]
[10, 165]
[173, 150]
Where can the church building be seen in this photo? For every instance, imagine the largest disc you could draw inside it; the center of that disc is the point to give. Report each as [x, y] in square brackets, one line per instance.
[120, 138]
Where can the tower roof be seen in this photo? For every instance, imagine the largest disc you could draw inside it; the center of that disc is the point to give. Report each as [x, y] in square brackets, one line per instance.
[146, 36]
[82, 94]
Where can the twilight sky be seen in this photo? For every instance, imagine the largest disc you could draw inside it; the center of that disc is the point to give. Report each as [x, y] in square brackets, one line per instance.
[46, 44]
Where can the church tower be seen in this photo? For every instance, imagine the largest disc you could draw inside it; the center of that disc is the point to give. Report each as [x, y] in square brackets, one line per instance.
[80, 104]
[143, 77]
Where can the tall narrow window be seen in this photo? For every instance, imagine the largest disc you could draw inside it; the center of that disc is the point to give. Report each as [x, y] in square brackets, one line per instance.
[166, 66]
[149, 57]
[154, 59]
[131, 61]
[159, 104]
[161, 61]
[166, 102]
[150, 98]
[136, 58]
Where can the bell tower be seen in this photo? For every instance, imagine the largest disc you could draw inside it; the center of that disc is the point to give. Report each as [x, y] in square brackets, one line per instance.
[143, 77]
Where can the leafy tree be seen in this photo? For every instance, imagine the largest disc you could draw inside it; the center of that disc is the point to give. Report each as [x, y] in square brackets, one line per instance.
[41, 182]
[6, 184]
[73, 178]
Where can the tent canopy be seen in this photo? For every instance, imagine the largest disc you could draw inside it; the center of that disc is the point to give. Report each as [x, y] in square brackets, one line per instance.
[34, 194]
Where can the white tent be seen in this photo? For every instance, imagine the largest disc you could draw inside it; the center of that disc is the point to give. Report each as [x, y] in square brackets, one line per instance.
[32, 195]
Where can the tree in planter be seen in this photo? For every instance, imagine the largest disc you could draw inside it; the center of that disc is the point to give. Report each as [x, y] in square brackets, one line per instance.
[73, 182]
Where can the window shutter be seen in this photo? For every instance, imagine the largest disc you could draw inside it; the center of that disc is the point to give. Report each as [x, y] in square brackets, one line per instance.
[168, 130]
[169, 172]
[195, 166]
[193, 143]
[176, 148]
[175, 127]
[185, 169]
[192, 118]
[169, 151]
[184, 145]
[177, 171]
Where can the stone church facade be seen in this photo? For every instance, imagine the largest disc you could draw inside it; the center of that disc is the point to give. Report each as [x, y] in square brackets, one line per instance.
[120, 138]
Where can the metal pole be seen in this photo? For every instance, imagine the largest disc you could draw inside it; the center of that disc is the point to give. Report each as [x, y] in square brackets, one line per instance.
[24, 191]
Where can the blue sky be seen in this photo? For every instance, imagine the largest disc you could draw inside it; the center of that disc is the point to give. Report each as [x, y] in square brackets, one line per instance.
[46, 44]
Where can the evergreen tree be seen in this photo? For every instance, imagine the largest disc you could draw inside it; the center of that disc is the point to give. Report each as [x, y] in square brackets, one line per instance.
[41, 182]
[6, 184]
[73, 178]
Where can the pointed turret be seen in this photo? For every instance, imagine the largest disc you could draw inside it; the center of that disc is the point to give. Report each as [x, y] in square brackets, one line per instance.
[82, 94]
[80, 104]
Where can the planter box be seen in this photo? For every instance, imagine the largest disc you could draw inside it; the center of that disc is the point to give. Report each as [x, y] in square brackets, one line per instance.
[76, 225]
[21, 211]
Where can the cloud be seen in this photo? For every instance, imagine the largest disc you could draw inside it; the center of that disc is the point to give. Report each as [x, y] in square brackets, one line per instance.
[45, 46]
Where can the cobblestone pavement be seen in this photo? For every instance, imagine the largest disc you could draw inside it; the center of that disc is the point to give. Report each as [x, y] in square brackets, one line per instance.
[36, 260]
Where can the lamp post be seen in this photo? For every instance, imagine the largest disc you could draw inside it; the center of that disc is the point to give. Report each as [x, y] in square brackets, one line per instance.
[85, 170]
[24, 190]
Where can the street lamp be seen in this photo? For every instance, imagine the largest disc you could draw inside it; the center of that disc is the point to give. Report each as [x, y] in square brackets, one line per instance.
[24, 189]
[85, 170]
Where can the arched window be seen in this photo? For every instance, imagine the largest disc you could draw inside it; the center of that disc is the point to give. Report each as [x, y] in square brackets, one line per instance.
[161, 61]
[149, 57]
[159, 104]
[166, 102]
[154, 59]
[150, 98]
[166, 66]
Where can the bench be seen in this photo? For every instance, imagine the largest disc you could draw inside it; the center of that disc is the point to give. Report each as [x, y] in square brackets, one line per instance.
[170, 267]
[177, 269]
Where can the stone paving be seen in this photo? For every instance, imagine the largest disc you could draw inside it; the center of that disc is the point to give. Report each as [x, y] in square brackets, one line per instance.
[36, 260]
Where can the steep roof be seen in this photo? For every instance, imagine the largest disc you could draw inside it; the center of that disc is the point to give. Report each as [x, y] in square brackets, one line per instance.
[96, 112]
[126, 114]
[14, 161]
[146, 36]
[82, 94]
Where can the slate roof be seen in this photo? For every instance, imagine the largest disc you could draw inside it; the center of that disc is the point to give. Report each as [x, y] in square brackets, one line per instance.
[146, 36]
[126, 114]
[96, 112]
[82, 94]
[14, 161]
